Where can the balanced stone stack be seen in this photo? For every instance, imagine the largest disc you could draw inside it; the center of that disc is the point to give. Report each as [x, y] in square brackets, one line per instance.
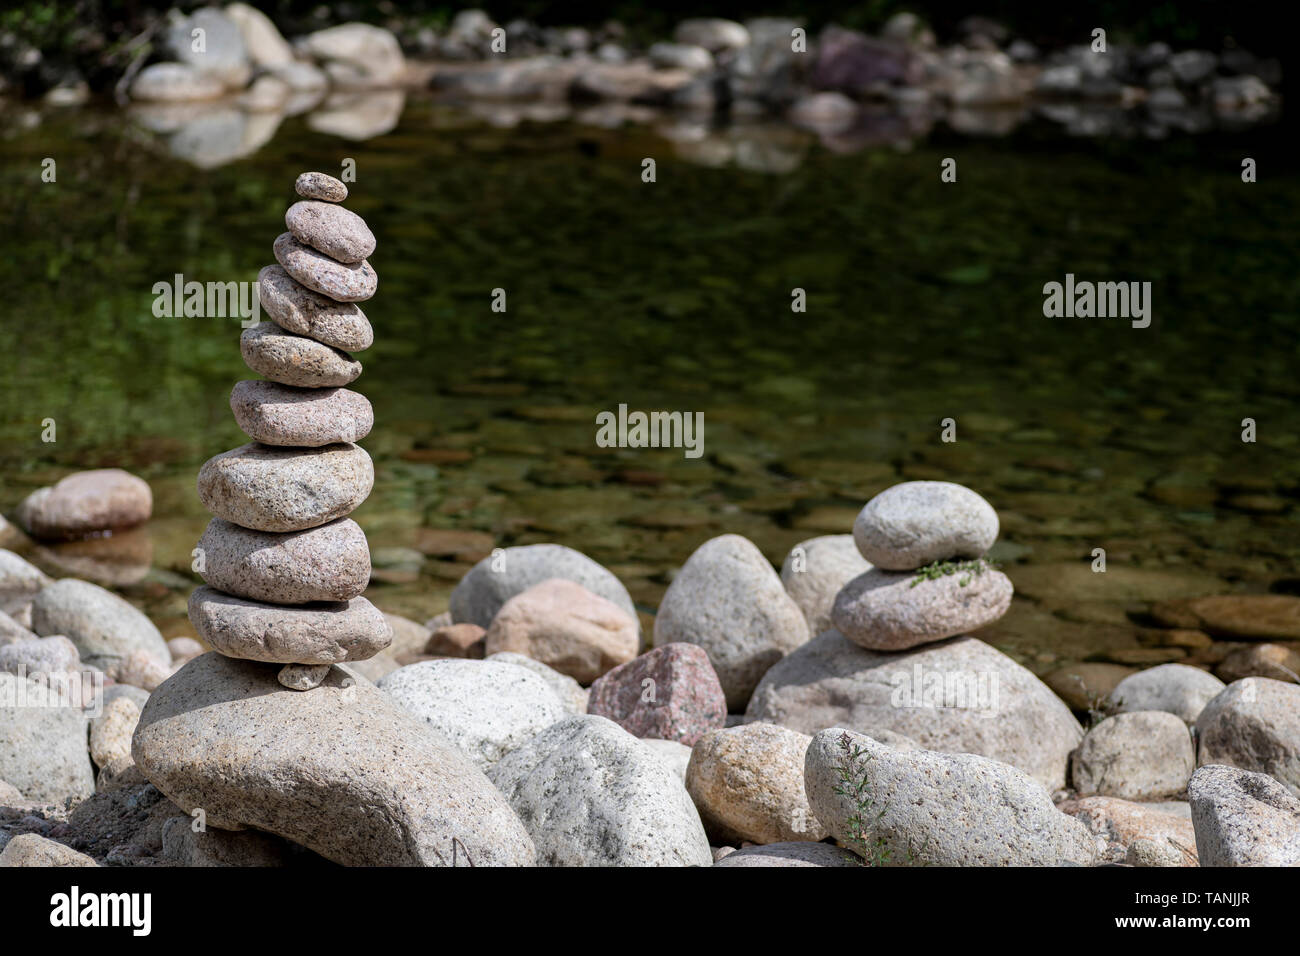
[926, 542]
[285, 566]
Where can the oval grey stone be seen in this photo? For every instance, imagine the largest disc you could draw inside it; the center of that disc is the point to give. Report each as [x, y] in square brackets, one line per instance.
[1141, 755]
[728, 599]
[918, 522]
[297, 308]
[815, 570]
[43, 749]
[276, 414]
[1254, 724]
[328, 563]
[295, 359]
[1242, 818]
[493, 581]
[937, 809]
[47, 655]
[105, 628]
[343, 282]
[892, 611]
[175, 83]
[268, 488]
[1175, 688]
[326, 633]
[339, 233]
[320, 186]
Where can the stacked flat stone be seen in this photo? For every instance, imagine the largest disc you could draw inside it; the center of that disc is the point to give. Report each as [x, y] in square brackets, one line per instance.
[284, 564]
[902, 530]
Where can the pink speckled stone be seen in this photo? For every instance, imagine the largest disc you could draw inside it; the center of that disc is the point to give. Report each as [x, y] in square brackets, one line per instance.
[684, 703]
[342, 282]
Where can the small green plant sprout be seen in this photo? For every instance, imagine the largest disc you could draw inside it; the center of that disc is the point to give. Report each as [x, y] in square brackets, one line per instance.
[852, 785]
[1099, 705]
[940, 569]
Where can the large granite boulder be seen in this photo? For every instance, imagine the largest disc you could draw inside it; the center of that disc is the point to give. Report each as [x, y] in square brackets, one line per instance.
[916, 807]
[341, 769]
[1254, 725]
[728, 599]
[958, 696]
[591, 794]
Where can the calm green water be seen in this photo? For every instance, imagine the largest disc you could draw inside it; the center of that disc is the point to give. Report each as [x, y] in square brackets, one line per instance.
[924, 303]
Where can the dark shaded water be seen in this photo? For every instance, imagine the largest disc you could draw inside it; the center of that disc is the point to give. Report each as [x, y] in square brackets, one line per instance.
[924, 303]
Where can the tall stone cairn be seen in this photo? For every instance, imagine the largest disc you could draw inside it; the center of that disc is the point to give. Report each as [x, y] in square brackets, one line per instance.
[284, 564]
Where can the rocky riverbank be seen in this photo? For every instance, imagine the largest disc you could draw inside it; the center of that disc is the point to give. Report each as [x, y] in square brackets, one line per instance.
[222, 98]
[807, 718]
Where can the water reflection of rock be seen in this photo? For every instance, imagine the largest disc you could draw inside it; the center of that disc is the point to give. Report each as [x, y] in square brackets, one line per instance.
[358, 116]
[987, 121]
[214, 133]
[615, 115]
[510, 115]
[205, 134]
[756, 147]
[111, 560]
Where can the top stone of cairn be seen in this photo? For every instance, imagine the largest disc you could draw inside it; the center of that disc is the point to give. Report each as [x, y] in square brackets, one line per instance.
[919, 522]
[320, 186]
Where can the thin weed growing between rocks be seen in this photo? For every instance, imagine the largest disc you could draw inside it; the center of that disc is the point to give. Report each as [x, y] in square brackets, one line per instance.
[853, 785]
[1099, 707]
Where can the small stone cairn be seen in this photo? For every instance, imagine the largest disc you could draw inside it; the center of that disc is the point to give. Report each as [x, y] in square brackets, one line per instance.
[929, 580]
[284, 565]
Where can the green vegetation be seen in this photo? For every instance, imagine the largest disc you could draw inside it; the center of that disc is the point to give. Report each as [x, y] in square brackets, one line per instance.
[852, 785]
[940, 569]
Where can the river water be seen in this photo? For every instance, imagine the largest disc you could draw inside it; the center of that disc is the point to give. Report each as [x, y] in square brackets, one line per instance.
[924, 303]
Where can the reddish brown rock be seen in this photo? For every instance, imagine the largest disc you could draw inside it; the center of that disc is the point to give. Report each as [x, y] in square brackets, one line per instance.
[297, 308]
[566, 627]
[339, 233]
[1086, 686]
[1275, 661]
[669, 693]
[459, 544]
[1118, 824]
[101, 500]
[457, 640]
[342, 282]
[1248, 617]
